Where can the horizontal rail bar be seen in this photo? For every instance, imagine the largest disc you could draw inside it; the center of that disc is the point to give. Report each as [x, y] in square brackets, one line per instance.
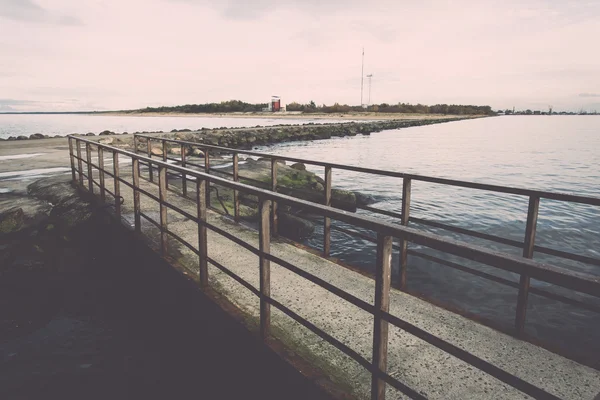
[234, 276]
[153, 222]
[324, 335]
[573, 280]
[469, 232]
[444, 181]
[355, 301]
[469, 358]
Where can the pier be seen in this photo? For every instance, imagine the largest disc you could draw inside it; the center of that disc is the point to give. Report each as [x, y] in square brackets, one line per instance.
[365, 334]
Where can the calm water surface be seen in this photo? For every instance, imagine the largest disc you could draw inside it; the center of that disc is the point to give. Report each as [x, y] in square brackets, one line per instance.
[555, 153]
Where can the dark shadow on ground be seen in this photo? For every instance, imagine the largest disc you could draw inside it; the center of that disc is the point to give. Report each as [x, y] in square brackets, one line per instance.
[128, 327]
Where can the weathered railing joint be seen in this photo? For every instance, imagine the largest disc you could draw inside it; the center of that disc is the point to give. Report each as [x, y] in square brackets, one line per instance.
[524, 280]
[202, 234]
[274, 220]
[383, 278]
[406, 191]
[101, 174]
[264, 238]
[327, 220]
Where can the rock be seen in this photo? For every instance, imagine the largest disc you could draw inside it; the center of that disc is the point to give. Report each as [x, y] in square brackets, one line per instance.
[21, 137]
[12, 220]
[156, 151]
[57, 136]
[298, 166]
[107, 140]
[198, 153]
[344, 199]
[294, 227]
[104, 133]
[90, 134]
[36, 136]
[175, 150]
[11, 138]
[363, 199]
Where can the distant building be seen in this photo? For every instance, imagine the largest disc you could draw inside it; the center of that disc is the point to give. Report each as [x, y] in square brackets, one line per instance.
[275, 105]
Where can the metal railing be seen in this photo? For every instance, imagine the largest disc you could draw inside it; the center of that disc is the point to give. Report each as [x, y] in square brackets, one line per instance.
[528, 246]
[385, 234]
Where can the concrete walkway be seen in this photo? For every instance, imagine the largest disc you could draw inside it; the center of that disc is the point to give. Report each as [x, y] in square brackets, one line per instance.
[419, 365]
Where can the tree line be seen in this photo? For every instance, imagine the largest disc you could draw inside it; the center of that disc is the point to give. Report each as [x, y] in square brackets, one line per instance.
[312, 107]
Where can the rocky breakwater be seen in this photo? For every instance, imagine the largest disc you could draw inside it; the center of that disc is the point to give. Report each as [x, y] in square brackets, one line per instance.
[247, 138]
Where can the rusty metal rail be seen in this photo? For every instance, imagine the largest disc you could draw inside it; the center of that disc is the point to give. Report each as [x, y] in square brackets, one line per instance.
[385, 234]
[528, 245]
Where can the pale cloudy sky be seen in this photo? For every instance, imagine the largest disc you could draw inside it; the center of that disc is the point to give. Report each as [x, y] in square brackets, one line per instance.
[118, 54]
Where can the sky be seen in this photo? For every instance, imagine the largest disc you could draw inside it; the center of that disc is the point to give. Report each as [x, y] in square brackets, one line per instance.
[59, 55]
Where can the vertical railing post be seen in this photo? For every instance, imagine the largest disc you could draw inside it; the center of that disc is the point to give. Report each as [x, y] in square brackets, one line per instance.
[202, 235]
[529, 244]
[274, 222]
[72, 157]
[135, 144]
[236, 194]
[79, 162]
[183, 174]
[88, 154]
[162, 196]
[383, 277]
[101, 173]
[265, 267]
[327, 220]
[207, 170]
[164, 157]
[117, 188]
[149, 150]
[136, 194]
[406, 189]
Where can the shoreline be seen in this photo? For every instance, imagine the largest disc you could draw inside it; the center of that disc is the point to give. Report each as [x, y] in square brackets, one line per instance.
[295, 115]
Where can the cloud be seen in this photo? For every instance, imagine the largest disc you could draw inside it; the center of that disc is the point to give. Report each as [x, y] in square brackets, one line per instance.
[589, 94]
[255, 9]
[29, 11]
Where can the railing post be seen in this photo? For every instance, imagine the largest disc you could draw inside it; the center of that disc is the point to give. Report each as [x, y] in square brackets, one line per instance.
[183, 175]
[274, 222]
[529, 243]
[117, 187]
[135, 144]
[406, 189]
[236, 194]
[383, 277]
[71, 156]
[162, 196]
[136, 195]
[207, 170]
[327, 220]
[79, 162]
[265, 267]
[88, 154]
[149, 149]
[164, 157]
[202, 236]
[101, 173]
